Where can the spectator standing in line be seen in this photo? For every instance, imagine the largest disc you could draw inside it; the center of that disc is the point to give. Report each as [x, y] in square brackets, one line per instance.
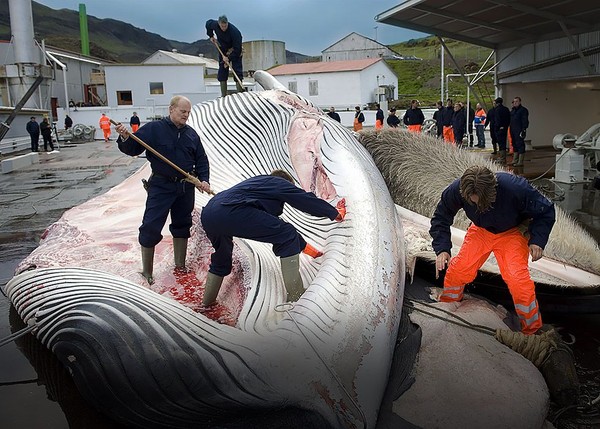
[490, 120]
[33, 128]
[502, 121]
[414, 118]
[359, 118]
[519, 122]
[333, 114]
[438, 117]
[392, 120]
[134, 122]
[479, 125]
[459, 124]
[46, 130]
[229, 39]
[379, 118]
[68, 122]
[447, 116]
[104, 123]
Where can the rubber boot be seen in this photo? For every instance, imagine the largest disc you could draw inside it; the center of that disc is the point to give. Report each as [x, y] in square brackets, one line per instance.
[515, 159]
[495, 146]
[179, 251]
[148, 263]
[223, 88]
[239, 87]
[502, 156]
[519, 162]
[211, 288]
[290, 268]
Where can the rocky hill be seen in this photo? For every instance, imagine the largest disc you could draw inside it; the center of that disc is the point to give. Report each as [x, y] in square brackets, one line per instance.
[110, 39]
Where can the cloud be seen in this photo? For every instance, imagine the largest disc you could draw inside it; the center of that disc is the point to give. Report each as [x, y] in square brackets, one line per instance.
[306, 26]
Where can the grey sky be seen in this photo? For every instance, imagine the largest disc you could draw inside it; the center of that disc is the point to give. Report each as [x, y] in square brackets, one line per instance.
[306, 26]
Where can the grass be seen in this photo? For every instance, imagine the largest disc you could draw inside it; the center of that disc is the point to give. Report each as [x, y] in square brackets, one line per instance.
[422, 79]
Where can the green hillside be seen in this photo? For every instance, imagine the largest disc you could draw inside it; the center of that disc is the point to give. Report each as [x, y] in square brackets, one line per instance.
[118, 41]
[421, 79]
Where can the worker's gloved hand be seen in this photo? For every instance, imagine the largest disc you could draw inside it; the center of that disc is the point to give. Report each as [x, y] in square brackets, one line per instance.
[522, 134]
[311, 251]
[341, 208]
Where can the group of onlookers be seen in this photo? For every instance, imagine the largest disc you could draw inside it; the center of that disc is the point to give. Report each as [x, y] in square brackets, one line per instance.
[453, 120]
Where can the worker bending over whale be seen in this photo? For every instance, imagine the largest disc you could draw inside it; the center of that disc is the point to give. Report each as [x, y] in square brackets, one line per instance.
[499, 206]
[251, 210]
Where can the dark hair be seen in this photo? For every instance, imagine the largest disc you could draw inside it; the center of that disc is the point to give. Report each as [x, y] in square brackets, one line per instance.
[283, 174]
[480, 181]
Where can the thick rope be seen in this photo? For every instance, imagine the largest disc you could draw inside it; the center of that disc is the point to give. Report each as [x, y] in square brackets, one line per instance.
[536, 348]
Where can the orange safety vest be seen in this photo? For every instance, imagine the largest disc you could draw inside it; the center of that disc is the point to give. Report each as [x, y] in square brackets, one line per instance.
[104, 122]
[357, 125]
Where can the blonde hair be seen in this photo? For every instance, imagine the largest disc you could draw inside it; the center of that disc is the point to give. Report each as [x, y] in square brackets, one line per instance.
[480, 181]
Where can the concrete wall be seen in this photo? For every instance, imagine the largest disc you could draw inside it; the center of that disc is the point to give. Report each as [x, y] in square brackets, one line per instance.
[557, 107]
[178, 79]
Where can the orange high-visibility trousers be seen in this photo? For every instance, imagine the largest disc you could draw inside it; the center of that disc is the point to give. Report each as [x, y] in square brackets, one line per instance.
[378, 124]
[134, 128]
[448, 134]
[512, 253]
[414, 128]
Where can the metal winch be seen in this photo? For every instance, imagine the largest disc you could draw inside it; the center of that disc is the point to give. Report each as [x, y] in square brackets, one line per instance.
[579, 156]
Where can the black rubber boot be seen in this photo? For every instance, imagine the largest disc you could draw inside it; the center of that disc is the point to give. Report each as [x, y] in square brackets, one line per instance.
[148, 263]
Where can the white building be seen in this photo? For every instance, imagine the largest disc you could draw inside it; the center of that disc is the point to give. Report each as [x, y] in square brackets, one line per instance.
[357, 47]
[174, 57]
[341, 84]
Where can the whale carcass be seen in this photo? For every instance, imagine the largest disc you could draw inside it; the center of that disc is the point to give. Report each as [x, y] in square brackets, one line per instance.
[417, 168]
[146, 358]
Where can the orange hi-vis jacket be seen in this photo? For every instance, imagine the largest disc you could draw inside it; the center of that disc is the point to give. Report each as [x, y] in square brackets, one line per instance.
[104, 122]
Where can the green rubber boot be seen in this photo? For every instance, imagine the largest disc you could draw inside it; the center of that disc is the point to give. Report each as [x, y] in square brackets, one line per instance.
[148, 263]
[519, 162]
[223, 88]
[290, 268]
[180, 251]
[211, 288]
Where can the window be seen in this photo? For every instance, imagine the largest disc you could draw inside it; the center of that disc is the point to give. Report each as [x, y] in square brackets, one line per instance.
[156, 88]
[293, 86]
[313, 87]
[124, 98]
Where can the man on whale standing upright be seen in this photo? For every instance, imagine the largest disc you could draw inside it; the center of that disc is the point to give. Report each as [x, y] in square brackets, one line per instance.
[229, 39]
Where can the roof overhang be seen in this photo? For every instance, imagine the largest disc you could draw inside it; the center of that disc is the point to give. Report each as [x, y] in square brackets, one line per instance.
[496, 23]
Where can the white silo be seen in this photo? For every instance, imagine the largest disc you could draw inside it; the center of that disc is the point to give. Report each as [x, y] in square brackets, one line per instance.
[262, 55]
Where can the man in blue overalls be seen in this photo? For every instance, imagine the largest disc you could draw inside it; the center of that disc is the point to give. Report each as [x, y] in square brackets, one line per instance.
[251, 209]
[230, 42]
[167, 189]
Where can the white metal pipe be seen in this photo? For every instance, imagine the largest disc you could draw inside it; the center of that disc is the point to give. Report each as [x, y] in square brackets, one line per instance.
[21, 27]
[64, 69]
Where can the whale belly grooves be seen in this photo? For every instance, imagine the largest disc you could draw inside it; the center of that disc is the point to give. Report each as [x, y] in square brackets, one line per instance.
[144, 355]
